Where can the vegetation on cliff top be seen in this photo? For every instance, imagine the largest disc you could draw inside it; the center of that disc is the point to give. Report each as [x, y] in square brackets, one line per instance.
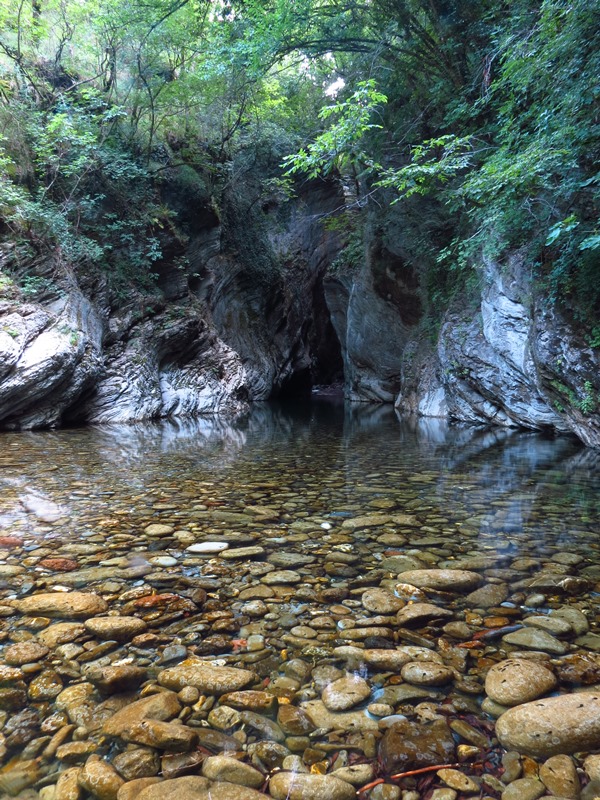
[489, 111]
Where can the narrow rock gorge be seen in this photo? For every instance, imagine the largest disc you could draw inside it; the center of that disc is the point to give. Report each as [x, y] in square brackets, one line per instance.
[240, 314]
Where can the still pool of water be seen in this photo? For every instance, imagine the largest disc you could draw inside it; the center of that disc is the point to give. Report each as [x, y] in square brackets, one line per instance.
[294, 544]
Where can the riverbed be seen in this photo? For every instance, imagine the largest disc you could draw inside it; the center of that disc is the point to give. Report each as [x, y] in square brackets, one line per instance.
[300, 602]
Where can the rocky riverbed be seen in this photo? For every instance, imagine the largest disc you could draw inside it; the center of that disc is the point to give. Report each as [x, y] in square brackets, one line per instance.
[249, 615]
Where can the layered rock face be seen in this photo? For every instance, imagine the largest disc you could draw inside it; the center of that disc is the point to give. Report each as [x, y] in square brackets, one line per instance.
[503, 358]
[253, 312]
[215, 334]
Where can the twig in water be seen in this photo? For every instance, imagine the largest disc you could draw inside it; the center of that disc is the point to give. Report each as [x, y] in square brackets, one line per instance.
[408, 774]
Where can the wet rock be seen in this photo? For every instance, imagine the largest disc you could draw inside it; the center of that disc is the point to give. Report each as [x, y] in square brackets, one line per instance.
[426, 673]
[113, 679]
[193, 787]
[401, 564]
[492, 594]
[17, 777]
[224, 768]
[380, 601]
[161, 735]
[415, 613]
[158, 529]
[62, 604]
[516, 681]
[574, 616]
[458, 780]
[446, 580]
[299, 786]
[137, 763]
[242, 552]
[553, 625]
[559, 776]
[357, 774]
[345, 693]
[100, 779]
[281, 576]
[524, 789]
[75, 752]
[321, 717]
[535, 639]
[205, 677]
[119, 629]
[294, 721]
[176, 765]
[67, 785]
[551, 726]
[366, 521]
[24, 653]
[45, 686]
[207, 548]
[132, 789]
[161, 706]
[61, 633]
[407, 745]
[263, 726]
[385, 660]
[249, 701]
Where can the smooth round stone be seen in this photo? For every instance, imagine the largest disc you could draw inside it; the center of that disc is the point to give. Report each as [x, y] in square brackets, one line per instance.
[287, 559]
[303, 631]
[242, 552]
[426, 673]
[380, 709]
[207, 547]
[281, 576]
[553, 725]
[224, 768]
[190, 787]
[357, 774]
[62, 604]
[458, 780]
[554, 625]
[300, 786]
[45, 686]
[61, 633]
[100, 779]
[576, 618]
[492, 594]
[345, 693]
[255, 608]
[591, 766]
[536, 639]
[119, 629]
[414, 613]
[158, 529]
[206, 677]
[516, 681]
[24, 653]
[559, 776]
[447, 580]
[379, 601]
[524, 789]
[163, 561]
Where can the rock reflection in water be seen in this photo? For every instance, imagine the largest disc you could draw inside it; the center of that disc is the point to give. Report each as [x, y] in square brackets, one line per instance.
[296, 603]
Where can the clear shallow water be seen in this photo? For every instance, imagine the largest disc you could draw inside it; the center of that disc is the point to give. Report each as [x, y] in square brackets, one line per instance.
[329, 492]
[513, 489]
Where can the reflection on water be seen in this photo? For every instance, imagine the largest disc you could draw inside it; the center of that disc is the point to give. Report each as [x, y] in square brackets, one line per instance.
[505, 484]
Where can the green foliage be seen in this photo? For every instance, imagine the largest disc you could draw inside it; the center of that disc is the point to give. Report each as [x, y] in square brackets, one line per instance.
[339, 147]
[487, 113]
